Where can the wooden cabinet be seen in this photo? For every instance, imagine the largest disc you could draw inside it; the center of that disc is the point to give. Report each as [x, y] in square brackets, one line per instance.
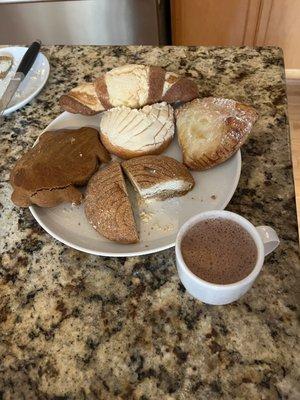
[281, 26]
[238, 23]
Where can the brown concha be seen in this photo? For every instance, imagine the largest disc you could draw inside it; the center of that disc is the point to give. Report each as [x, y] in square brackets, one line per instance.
[158, 177]
[107, 205]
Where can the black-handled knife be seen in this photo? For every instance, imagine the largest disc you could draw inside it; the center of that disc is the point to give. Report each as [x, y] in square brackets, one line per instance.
[29, 57]
[23, 68]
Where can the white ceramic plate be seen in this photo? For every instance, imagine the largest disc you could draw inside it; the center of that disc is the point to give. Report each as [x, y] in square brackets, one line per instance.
[160, 220]
[32, 83]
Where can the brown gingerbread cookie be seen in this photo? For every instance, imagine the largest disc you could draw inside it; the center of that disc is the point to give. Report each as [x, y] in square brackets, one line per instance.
[48, 173]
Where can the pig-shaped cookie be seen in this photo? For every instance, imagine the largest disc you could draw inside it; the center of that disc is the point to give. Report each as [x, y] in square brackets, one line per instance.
[50, 172]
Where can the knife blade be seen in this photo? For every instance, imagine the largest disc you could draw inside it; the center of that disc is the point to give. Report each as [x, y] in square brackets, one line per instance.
[23, 68]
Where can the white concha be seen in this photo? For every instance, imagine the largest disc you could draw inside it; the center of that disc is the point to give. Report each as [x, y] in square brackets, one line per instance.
[129, 133]
[128, 85]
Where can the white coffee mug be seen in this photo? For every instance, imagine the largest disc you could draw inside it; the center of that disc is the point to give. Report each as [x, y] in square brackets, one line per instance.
[266, 241]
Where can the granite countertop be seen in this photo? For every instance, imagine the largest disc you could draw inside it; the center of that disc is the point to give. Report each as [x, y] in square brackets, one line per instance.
[76, 326]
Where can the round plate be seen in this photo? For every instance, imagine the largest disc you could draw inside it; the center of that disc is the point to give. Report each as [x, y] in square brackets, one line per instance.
[32, 83]
[159, 221]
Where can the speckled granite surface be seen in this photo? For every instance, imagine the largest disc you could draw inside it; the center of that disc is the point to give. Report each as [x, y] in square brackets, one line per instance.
[74, 326]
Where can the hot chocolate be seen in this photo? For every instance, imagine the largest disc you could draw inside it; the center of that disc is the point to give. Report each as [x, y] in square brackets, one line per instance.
[219, 250]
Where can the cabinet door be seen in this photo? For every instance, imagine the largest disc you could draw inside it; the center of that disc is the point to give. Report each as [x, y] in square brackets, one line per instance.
[279, 25]
[214, 22]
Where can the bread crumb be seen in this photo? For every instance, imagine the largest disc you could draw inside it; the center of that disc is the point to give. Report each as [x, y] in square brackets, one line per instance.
[164, 228]
[140, 201]
[146, 217]
[72, 140]
[167, 228]
[80, 155]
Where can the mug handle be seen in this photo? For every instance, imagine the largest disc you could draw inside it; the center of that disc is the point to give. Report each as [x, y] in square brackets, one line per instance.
[269, 238]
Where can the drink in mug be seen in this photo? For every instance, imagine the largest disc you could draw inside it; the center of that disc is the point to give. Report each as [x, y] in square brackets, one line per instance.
[219, 254]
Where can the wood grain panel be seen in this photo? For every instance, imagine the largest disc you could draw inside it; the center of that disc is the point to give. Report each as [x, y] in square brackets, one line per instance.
[280, 26]
[252, 21]
[263, 20]
[293, 91]
[239, 22]
[214, 22]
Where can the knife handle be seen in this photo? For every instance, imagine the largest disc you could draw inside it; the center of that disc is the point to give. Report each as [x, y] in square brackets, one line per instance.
[29, 57]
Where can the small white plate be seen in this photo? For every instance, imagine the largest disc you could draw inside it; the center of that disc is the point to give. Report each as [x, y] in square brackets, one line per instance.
[32, 83]
[160, 220]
